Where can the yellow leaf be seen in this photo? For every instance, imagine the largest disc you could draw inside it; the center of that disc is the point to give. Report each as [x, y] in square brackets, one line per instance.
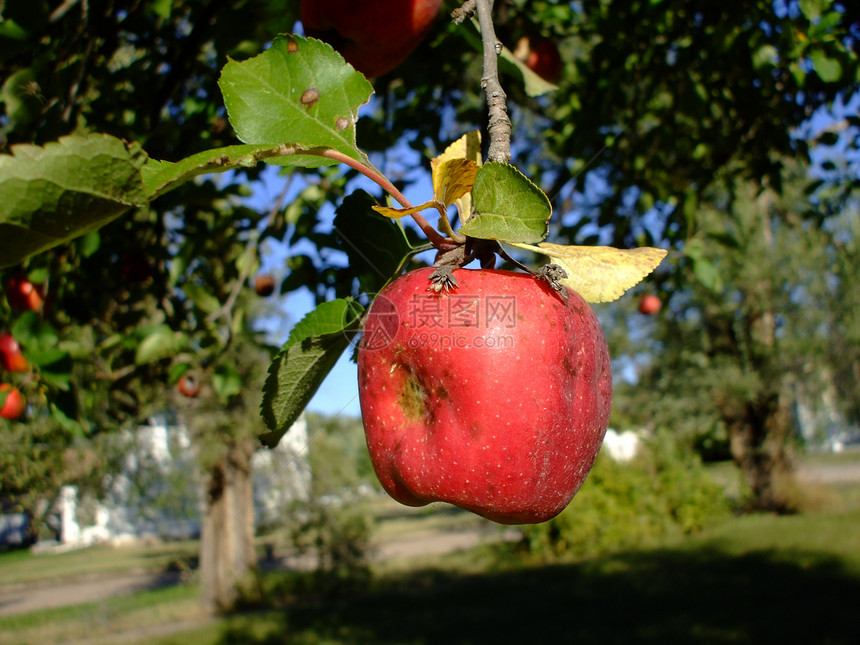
[453, 179]
[396, 213]
[600, 273]
[468, 148]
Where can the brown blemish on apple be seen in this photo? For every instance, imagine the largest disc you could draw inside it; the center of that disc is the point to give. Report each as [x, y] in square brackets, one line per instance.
[569, 367]
[414, 398]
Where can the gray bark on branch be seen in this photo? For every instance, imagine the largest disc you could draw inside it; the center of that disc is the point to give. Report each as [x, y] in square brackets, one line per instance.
[499, 126]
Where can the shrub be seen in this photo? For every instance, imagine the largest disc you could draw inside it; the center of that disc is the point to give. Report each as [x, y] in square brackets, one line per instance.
[338, 537]
[663, 492]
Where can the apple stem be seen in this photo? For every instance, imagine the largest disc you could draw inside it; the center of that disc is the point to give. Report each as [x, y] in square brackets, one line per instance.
[499, 127]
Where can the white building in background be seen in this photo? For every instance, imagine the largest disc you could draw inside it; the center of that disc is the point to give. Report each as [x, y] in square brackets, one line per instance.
[158, 494]
[282, 475]
[621, 446]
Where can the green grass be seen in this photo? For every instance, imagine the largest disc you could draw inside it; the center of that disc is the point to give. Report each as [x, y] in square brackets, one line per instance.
[19, 567]
[752, 579]
[102, 619]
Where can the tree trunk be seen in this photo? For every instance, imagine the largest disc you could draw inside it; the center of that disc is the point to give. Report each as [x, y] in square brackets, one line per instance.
[760, 440]
[227, 555]
[760, 430]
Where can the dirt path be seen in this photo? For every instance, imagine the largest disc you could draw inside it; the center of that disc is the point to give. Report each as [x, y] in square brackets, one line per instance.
[846, 472]
[24, 598]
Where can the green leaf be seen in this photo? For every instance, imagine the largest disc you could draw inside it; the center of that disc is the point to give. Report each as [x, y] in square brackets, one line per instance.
[227, 382]
[764, 56]
[704, 270]
[312, 349]
[53, 194]
[828, 69]
[176, 372]
[22, 106]
[204, 300]
[160, 177]
[374, 244]
[299, 91]
[508, 206]
[161, 342]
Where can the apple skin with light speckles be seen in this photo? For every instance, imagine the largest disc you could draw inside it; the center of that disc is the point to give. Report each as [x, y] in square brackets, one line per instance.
[493, 396]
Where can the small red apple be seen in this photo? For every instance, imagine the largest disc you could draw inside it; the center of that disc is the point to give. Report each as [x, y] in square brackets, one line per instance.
[374, 36]
[11, 357]
[13, 404]
[188, 385]
[650, 304]
[264, 285]
[23, 295]
[494, 396]
[540, 55]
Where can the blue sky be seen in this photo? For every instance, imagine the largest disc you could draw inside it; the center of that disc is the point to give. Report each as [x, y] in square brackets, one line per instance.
[339, 392]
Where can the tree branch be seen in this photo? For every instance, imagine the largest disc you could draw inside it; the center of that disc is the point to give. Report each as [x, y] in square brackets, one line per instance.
[499, 127]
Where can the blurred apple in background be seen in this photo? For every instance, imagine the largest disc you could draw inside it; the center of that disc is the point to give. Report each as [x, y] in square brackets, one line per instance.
[11, 357]
[264, 285]
[374, 36]
[13, 403]
[23, 295]
[541, 56]
[650, 304]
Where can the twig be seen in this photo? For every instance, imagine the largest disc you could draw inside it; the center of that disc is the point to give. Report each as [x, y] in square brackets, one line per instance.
[499, 127]
[462, 13]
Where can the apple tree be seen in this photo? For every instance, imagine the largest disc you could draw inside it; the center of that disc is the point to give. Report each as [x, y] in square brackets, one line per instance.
[133, 134]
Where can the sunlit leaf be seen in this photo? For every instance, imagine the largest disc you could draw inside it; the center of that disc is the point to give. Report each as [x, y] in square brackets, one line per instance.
[453, 179]
[395, 213]
[299, 91]
[468, 148]
[600, 273]
[508, 206]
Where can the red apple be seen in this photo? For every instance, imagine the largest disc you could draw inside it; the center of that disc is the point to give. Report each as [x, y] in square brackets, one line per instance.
[494, 396]
[540, 55]
[374, 36]
[650, 304]
[11, 357]
[264, 285]
[188, 385]
[13, 403]
[23, 295]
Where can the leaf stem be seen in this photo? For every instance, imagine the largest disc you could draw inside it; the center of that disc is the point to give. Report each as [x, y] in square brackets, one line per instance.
[432, 234]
